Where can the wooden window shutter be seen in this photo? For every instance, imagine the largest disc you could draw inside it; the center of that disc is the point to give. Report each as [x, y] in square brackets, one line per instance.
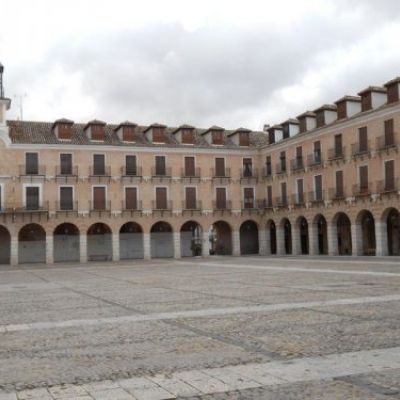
[269, 165]
[338, 145]
[393, 93]
[64, 131]
[269, 196]
[158, 135]
[389, 175]
[97, 132]
[248, 197]
[244, 139]
[128, 133]
[221, 198]
[366, 101]
[32, 163]
[99, 167]
[130, 165]
[190, 196]
[131, 198]
[302, 125]
[271, 137]
[300, 191]
[219, 167]
[284, 192]
[99, 198]
[318, 187]
[32, 198]
[363, 178]
[66, 164]
[160, 165]
[66, 198]
[161, 198]
[190, 166]
[187, 136]
[363, 139]
[339, 184]
[299, 153]
[217, 137]
[389, 132]
[341, 110]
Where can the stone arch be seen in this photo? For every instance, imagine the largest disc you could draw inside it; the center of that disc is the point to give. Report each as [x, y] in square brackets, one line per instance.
[221, 238]
[66, 243]
[249, 243]
[365, 224]
[320, 227]
[131, 241]
[191, 234]
[302, 231]
[5, 245]
[271, 236]
[162, 240]
[99, 242]
[287, 235]
[342, 225]
[391, 218]
[32, 244]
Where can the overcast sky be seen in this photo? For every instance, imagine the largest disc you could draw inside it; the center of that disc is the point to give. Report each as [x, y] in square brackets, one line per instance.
[223, 62]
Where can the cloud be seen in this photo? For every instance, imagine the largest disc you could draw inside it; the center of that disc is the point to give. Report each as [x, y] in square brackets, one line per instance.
[232, 73]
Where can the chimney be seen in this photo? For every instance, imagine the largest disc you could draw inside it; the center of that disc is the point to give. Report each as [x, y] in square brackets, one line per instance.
[347, 106]
[307, 121]
[62, 128]
[393, 90]
[95, 130]
[373, 97]
[325, 114]
[126, 131]
[5, 103]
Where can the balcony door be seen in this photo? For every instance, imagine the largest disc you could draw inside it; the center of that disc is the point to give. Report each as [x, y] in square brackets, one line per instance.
[32, 197]
[161, 198]
[99, 198]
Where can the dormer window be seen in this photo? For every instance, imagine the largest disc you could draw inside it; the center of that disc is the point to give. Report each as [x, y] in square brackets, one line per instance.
[63, 129]
[158, 135]
[244, 139]
[128, 134]
[95, 130]
[187, 136]
[217, 137]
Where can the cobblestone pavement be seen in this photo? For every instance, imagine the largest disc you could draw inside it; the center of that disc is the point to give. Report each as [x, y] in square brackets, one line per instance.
[214, 328]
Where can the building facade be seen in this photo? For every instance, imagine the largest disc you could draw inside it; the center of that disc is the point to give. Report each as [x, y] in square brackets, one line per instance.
[326, 182]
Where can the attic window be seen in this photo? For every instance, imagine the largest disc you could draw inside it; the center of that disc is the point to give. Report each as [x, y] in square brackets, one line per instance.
[158, 135]
[97, 132]
[64, 131]
[244, 139]
[187, 136]
[217, 137]
[128, 134]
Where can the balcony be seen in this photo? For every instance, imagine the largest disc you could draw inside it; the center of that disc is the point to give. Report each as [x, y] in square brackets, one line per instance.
[100, 173]
[336, 153]
[30, 210]
[314, 160]
[316, 196]
[100, 206]
[222, 206]
[66, 206]
[297, 164]
[337, 194]
[362, 190]
[65, 173]
[161, 173]
[265, 204]
[388, 186]
[386, 143]
[191, 207]
[162, 207]
[267, 172]
[360, 150]
[281, 202]
[250, 205]
[131, 174]
[281, 169]
[221, 176]
[298, 200]
[248, 174]
[38, 171]
[193, 175]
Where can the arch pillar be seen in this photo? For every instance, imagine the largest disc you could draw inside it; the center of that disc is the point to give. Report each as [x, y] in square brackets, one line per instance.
[115, 246]
[381, 239]
[49, 249]
[313, 239]
[267, 241]
[236, 243]
[146, 246]
[14, 250]
[205, 248]
[296, 244]
[280, 240]
[356, 239]
[333, 249]
[177, 244]
[262, 241]
[83, 247]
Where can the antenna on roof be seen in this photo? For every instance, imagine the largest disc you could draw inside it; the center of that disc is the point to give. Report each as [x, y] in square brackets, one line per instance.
[19, 98]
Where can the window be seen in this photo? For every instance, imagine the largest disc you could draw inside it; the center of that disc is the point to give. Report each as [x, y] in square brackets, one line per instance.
[97, 132]
[217, 137]
[32, 163]
[66, 164]
[190, 198]
[161, 198]
[220, 198]
[300, 191]
[99, 198]
[393, 93]
[318, 188]
[66, 198]
[363, 140]
[341, 110]
[244, 139]
[64, 131]
[131, 198]
[269, 196]
[1, 198]
[283, 193]
[286, 131]
[299, 157]
[363, 171]
[339, 185]
[128, 134]
[268, 165]
[130, 165]
[160, 166]
[99, 167]
[220, 167]
[389, 176]
[317, 152]
[187, 136]
[190, 166]
[389, 133]
[271, 136]
[247, 167]
[158, 135]
[248, 194]
[283, 161]
[338, 146]
[32, 196]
